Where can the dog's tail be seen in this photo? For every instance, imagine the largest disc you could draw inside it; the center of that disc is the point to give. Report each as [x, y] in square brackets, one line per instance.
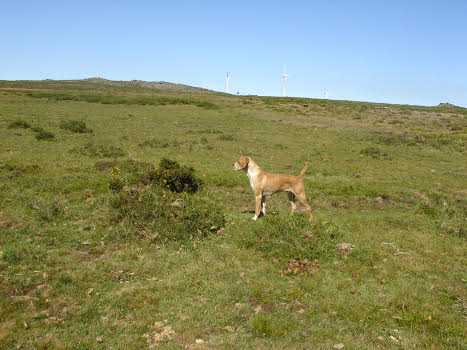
[305, 168]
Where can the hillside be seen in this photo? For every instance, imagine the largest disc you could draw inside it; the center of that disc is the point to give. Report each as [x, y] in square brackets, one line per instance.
[95, 254]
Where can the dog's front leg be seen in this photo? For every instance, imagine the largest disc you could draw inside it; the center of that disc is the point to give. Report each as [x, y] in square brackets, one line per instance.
[258, 198]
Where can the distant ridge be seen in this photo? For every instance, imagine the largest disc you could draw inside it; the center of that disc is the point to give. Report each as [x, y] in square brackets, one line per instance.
[448, 105]
[162, 85]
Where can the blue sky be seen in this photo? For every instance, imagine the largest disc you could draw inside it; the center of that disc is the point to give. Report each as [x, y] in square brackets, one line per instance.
[389, 51]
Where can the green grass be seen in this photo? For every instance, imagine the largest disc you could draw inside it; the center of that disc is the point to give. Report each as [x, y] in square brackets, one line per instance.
[92, 256]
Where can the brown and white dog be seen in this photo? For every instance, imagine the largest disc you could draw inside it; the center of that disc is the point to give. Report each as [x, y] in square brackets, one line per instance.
[265, 184]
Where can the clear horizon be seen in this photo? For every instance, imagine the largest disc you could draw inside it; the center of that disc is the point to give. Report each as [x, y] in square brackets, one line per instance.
[403, 53]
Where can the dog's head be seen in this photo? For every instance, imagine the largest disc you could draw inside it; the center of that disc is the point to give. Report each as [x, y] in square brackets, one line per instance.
[242, 163]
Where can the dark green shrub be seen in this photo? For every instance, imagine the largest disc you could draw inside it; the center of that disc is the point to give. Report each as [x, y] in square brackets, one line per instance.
[226, 138]
[76, 126]
[19, 124]
[42, 134]
[288, 237]
[163, 216]
[100, 150]
[175, 177]
[374, 153]
[156, 143]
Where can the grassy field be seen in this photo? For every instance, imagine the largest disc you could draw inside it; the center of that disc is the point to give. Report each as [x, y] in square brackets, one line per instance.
[90, 260]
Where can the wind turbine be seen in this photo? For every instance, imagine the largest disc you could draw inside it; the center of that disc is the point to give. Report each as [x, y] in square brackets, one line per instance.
[227, 80]
[326, 94]
[284, 79]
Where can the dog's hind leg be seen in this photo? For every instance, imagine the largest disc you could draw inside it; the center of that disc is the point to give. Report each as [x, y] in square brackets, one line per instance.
[291, 197]
[302, 199]
[263, 205]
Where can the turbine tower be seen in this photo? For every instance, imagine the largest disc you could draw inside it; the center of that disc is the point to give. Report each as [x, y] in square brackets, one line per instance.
[326, 94]
[227, 80]
[284, 78]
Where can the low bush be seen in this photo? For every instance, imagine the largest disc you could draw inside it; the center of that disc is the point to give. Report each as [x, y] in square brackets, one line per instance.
[19, 124]
[116, 182]
[174, 177]
[76, 126]
[163, 216]
[286, 237]
[156, 143]
[226, 137]
[43, 135]
[374, 153]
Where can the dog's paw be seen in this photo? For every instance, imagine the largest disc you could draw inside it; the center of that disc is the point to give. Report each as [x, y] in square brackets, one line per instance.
[255, 218]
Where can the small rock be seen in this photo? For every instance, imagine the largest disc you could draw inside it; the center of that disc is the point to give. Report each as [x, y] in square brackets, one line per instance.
[338, 346]
[99, 339]
[394, 339]
[229, 329]
[220, 231]
[178, 203]
[380, 338]
[344, 248]
[199, 341]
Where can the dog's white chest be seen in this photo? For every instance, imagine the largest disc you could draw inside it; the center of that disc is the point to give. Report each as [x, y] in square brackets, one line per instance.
[252, 181]
[252, 176]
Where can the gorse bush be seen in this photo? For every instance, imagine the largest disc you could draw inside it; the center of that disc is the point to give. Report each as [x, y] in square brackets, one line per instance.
[158, 203]
[156, 143]
[76, 126]
[19, 124]
[116, 182]
[226, 138]
[175, 177]
[288, 237]
[162, 216]
[42, 134]
[374, 153]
